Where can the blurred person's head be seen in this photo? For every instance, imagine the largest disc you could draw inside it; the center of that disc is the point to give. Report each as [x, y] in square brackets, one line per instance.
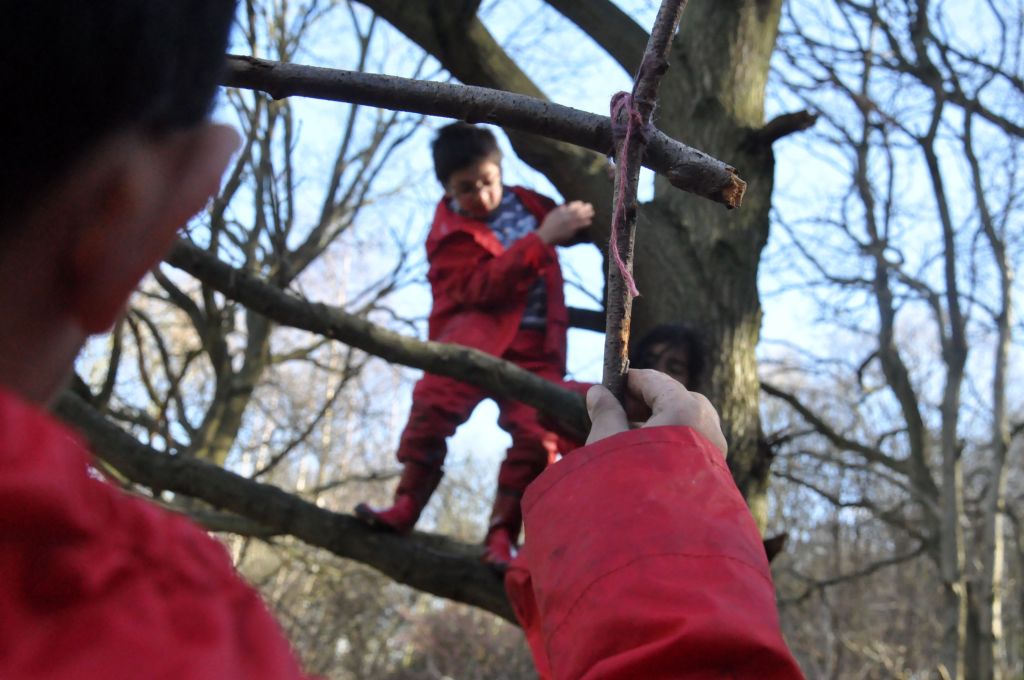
[107, 152]
[676, 350]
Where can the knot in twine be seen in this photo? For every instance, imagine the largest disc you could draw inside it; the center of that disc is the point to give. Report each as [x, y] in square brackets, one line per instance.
[633, 123]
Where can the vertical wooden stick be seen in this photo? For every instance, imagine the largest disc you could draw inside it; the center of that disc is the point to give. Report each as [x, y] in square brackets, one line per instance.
[620, 299]
[637, 114]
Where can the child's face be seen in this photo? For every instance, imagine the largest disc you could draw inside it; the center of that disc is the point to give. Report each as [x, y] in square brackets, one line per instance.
[672, 361]
[476, 188]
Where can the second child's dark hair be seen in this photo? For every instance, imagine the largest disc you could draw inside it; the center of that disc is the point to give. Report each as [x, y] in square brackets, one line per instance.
[460, 145]
[75, 72]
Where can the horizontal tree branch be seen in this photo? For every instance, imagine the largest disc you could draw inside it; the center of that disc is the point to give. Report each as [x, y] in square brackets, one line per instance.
[844, 443]
[227, 522]
[781, 126]
[893, 516]
[497, 377]
[471, 54]
[432, 564]
[587, 319]
[607, 25]
[685, 167]
[814, 585]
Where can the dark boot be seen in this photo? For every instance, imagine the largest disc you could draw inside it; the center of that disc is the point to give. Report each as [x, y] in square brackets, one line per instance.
[503, 532]
[415, 487]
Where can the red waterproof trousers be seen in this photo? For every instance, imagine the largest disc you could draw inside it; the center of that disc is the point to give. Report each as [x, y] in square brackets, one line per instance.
[440, 405]
[642, 561]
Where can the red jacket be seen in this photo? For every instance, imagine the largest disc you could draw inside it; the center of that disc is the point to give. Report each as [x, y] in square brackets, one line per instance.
[642, 561]
[100, 585]
[480, 287]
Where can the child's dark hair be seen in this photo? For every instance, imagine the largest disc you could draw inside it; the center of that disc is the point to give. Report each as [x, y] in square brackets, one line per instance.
[460, 145]
[75, 72]
[643, 354]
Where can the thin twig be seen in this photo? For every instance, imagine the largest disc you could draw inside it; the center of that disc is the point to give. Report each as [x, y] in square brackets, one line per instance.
[643, 99]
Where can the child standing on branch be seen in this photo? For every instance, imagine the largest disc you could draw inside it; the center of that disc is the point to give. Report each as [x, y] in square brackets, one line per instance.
[497, 287]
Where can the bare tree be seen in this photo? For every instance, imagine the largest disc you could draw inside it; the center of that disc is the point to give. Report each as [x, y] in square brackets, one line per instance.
[259, 263]
[916, 265]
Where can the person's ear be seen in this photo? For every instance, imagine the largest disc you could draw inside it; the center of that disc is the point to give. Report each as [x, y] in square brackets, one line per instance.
[146, 190]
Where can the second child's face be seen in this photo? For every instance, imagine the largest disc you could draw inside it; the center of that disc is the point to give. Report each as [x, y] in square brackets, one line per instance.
[476, 188]
[672, 361]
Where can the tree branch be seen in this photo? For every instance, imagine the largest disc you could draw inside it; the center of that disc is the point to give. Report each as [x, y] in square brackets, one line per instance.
[781, 126]
[814, 585]
[226, 522]
[607, 25]
[891, 516]
[684, 167]
[839, 441]
[433, 564]
[628, 152]
[470, 53]
[488, 372]
[587, 319]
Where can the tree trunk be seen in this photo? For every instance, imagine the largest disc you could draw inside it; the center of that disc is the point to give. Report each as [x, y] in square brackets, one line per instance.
[220, 427]
[704, 257]
[992, 661]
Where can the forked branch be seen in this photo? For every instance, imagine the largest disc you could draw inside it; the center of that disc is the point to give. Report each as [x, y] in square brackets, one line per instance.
[636, 109]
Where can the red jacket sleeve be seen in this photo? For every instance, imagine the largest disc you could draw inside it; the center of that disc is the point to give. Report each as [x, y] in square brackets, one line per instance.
[100, 585]
[642, 561]
[464, 272]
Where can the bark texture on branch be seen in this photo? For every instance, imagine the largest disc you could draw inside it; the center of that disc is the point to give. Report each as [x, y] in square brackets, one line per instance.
[483, 370]
[638, 118]
[432, 564]
[684, 167]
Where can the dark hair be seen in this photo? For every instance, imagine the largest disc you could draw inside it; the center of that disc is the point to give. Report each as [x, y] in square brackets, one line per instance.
[673, 335]
[74, 72]
[460, 145]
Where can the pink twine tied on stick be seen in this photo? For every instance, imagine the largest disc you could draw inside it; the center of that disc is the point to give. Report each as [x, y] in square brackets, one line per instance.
[634, 122]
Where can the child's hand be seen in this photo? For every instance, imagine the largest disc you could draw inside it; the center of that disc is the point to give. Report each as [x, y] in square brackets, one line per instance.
[563, 223]
[654, 399]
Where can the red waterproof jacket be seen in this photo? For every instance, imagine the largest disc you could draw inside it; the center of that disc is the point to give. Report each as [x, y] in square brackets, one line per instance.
[642, 561]
[480, 287]
[100, 585]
